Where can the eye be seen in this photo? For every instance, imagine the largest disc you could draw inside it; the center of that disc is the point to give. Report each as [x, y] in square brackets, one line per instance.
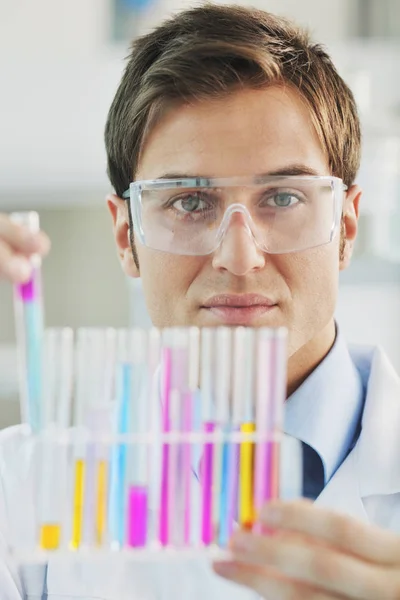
[193, 205]
[190, 203]
[282, 200]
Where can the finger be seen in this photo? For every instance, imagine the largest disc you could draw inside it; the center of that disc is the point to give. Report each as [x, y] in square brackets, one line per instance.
[21, 239]
[366, 541]
[315, 565]
[269, 586]
[14, 267]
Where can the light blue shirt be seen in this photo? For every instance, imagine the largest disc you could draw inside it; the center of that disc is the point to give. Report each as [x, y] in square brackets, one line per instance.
[325, 411]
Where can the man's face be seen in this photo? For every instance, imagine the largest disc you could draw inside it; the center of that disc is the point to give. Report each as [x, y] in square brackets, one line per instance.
[247, 133]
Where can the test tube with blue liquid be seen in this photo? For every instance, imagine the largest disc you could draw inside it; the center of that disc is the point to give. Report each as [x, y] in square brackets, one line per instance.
[128, 507]
[230, 448]
[29, 328]
[117, 507]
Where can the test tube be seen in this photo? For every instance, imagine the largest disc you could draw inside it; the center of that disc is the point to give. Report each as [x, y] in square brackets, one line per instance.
[230, 448]
[189, 454]
[175, 499]
[94, 350]
[29, 317]
[153, 395]
[103, 424]
[97, 473]
[262, 491]
[209, 426]
[57, 396]
[121, 453]
[244, 416]
[166, 372]
[278, 393]
[240, 360]
[138, 456]
[78, 446]
[58, 372]
[97, 422]
[177, 339]
[271, 390]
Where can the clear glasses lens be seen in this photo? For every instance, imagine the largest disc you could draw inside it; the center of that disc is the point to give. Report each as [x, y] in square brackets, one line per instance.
[283, 214]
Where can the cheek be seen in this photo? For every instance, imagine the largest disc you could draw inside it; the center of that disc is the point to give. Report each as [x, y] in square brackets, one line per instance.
[312, 278]
[166, 279]
[315, 274]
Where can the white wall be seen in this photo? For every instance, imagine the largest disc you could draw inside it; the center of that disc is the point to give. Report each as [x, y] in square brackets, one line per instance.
[370, 314]
[57, 81]
[58, 73]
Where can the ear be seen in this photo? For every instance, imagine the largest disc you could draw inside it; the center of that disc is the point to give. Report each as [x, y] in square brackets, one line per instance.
[350, 225]
[120, 218]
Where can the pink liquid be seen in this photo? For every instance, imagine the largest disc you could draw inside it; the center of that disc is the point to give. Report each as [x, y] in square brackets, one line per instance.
[206, 488]
[166, 426]
[28, 291]
[137, 516]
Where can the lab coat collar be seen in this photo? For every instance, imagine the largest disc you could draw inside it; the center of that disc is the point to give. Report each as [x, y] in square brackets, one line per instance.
[343, 490]
[372, 468]
[379, 442]
[326, 409]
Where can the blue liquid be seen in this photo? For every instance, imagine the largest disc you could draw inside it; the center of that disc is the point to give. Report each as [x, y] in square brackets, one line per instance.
[34, 335]
[117, 509]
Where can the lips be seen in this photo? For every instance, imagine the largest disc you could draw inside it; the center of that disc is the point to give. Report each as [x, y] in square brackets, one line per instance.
[235, 309]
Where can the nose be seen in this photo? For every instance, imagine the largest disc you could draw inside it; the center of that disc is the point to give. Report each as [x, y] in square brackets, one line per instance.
[238, 252]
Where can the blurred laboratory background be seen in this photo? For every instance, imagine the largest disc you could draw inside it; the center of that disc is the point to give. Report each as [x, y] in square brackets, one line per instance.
[60, 64]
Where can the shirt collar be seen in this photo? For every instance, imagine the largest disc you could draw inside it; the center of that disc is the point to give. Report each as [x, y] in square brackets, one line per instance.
[325, 410]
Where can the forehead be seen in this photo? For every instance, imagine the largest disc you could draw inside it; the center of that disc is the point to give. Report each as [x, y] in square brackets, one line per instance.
[245, 133]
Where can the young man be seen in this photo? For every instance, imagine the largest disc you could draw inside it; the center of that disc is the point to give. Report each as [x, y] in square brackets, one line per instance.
[244, 144]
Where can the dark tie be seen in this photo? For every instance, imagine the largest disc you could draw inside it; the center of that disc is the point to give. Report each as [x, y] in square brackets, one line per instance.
[313, 473]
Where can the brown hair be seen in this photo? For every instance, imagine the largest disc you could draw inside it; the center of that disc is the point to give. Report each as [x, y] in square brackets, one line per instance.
[210, 50]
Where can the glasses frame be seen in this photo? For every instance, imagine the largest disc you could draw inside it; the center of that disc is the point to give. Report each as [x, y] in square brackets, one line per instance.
[133, 196]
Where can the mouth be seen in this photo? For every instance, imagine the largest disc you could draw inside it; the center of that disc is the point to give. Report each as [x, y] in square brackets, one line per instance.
[235, 309]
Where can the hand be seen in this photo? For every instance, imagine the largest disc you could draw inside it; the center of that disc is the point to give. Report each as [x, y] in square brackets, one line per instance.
[16, 245]
[314, 554]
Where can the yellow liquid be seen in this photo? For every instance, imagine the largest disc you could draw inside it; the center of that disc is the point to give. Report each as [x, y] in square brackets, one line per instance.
[79, 494]
[246, 505]
[50, 537]
[101, 501]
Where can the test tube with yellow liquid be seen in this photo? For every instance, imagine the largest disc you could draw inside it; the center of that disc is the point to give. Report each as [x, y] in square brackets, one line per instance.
[243, 416]
[50, 520]
[95, 364]
[56, 404]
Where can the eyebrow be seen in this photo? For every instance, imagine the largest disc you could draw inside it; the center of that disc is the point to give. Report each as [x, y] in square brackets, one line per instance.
[294, 170]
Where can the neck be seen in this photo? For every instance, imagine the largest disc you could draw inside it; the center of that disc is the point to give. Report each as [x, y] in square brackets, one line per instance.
[303, 362]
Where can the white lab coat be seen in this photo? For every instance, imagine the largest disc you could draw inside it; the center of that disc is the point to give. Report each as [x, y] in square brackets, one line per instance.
[367, 486]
